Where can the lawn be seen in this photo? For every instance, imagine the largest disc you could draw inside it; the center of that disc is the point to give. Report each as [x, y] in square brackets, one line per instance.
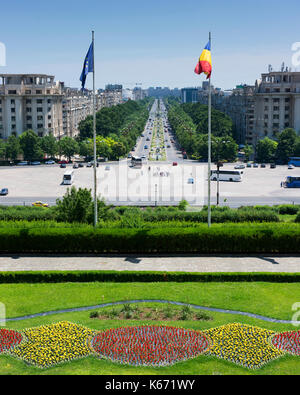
[268, 299]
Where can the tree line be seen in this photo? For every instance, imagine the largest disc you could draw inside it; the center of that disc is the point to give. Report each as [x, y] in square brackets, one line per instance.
[190, 124]
[117, 130]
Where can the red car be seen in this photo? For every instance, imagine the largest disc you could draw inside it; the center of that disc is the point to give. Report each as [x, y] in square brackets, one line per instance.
[175, 164]
[63, 162]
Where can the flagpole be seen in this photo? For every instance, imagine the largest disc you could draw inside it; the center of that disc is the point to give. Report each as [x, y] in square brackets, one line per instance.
[209, 146]
[94, 130]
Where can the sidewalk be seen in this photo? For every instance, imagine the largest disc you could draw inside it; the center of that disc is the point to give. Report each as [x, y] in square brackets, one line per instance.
[201, 264]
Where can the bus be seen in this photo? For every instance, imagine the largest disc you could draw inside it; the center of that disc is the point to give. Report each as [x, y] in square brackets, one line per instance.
[294, 162]
[227, 175]
[137, 163]
[68, 178]
[291, 182]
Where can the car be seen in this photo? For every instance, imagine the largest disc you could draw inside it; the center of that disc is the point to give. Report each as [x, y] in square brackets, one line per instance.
[263, 166]
[129, 156]
[50, 162]
[249, 165]
[40, 204]
[146, 147]
[191, 181]
[291, 167]
[75, 166]
[4, 192]
[272, 166]
[22, 164]
[175, 164]
[36, 163]
[168, 146]
[239, 167]
[148, 139]
[80, 164]
[63, 166]
[89, 165]
[255, 165]
[63, 162]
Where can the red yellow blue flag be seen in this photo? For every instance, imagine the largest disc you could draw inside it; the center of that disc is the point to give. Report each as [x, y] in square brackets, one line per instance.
[205, 64]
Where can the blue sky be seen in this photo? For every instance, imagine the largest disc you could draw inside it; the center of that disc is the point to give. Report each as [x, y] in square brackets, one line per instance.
[156, 43]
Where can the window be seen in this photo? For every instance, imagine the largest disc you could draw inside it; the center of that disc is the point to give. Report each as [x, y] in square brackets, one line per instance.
[29, 126]
[49, 117]
[40, 109]
[28, 101]
[48, 92]
[275, 116]
[38, 92]
[13, 110]
[275, 108]
[12, 92]
[266, 108]
[276, 100]
[40, 126]
[12, 102]
[13, 127]
[49, 101]
[287, 100]
[28, 92]
[40, 118]
[39, 101]
[49, 125]
[28, 109]
[28, 118]
[13, 119]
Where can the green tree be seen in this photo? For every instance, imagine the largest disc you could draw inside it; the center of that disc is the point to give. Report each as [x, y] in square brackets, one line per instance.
[75, 206]
[30, 145]
[12, 148]
[68, 147]
[49, 145]
[286, 145]
[266, 150]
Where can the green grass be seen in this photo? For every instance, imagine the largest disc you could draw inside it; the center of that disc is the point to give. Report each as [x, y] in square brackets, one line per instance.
[273, 300]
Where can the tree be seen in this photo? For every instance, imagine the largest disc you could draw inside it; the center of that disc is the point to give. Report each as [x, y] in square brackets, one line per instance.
[30, 145]
[249, 151]
[266, 150]
[49, 145]
[67, 147]
[75, 206]
[12, 148]
[286, 145]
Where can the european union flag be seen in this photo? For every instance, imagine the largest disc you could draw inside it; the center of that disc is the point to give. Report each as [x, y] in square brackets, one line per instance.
[88, 66]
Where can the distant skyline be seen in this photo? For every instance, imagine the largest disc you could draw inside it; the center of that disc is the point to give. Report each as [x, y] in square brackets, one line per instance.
[155, 43]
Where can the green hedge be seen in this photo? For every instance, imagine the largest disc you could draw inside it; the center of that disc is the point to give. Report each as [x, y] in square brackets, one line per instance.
[143, 277]
[282, 238]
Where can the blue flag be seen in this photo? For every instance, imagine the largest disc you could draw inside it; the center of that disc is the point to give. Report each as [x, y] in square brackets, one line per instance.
[88, 66]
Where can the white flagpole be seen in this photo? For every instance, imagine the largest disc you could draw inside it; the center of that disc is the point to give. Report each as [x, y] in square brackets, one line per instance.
[209, 147]
[94, 129]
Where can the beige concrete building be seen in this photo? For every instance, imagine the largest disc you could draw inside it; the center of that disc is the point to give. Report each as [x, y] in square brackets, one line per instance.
[30, 101]
[277, 103]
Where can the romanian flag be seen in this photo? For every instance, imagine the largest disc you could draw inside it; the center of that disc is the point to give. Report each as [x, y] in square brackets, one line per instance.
[205, 65]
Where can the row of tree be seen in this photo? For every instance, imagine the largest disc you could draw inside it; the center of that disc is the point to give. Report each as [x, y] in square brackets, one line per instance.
[189, 122]
[117, 131]
[286, 145]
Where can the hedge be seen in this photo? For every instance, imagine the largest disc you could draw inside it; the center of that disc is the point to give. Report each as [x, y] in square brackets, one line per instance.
[142, 277]
[253, 238]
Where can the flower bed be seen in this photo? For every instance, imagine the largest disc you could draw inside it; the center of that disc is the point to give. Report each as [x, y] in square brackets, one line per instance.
[9, 339]
[288, 342]
[244, 345]
[149, 345]
[52, 344]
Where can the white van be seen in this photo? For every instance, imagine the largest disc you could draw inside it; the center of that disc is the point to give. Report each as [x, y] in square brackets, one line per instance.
[68, 178]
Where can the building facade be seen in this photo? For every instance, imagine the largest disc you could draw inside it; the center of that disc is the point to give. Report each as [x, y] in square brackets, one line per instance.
[30, 101]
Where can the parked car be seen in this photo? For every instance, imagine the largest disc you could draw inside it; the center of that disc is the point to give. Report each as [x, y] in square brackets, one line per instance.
[191, 181]
[50, 162]
[89, 165]
[63, 162]
[76, 166]
[272, 166]
[175, 164]
[36, 163]
[255, 165]
[291, 167]
[249, 165]
[107, 168]
[22, 164]
[4, 192]
[263, 166]
[80, 164]
[40, 204]
[239, 167]
[63, 166]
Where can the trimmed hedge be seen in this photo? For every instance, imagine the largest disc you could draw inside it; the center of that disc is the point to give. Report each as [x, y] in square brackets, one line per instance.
[142, 277]
[253, 238]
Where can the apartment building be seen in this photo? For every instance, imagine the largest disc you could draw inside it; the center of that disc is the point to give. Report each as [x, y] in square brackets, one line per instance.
[277, 103]
[30, 101]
